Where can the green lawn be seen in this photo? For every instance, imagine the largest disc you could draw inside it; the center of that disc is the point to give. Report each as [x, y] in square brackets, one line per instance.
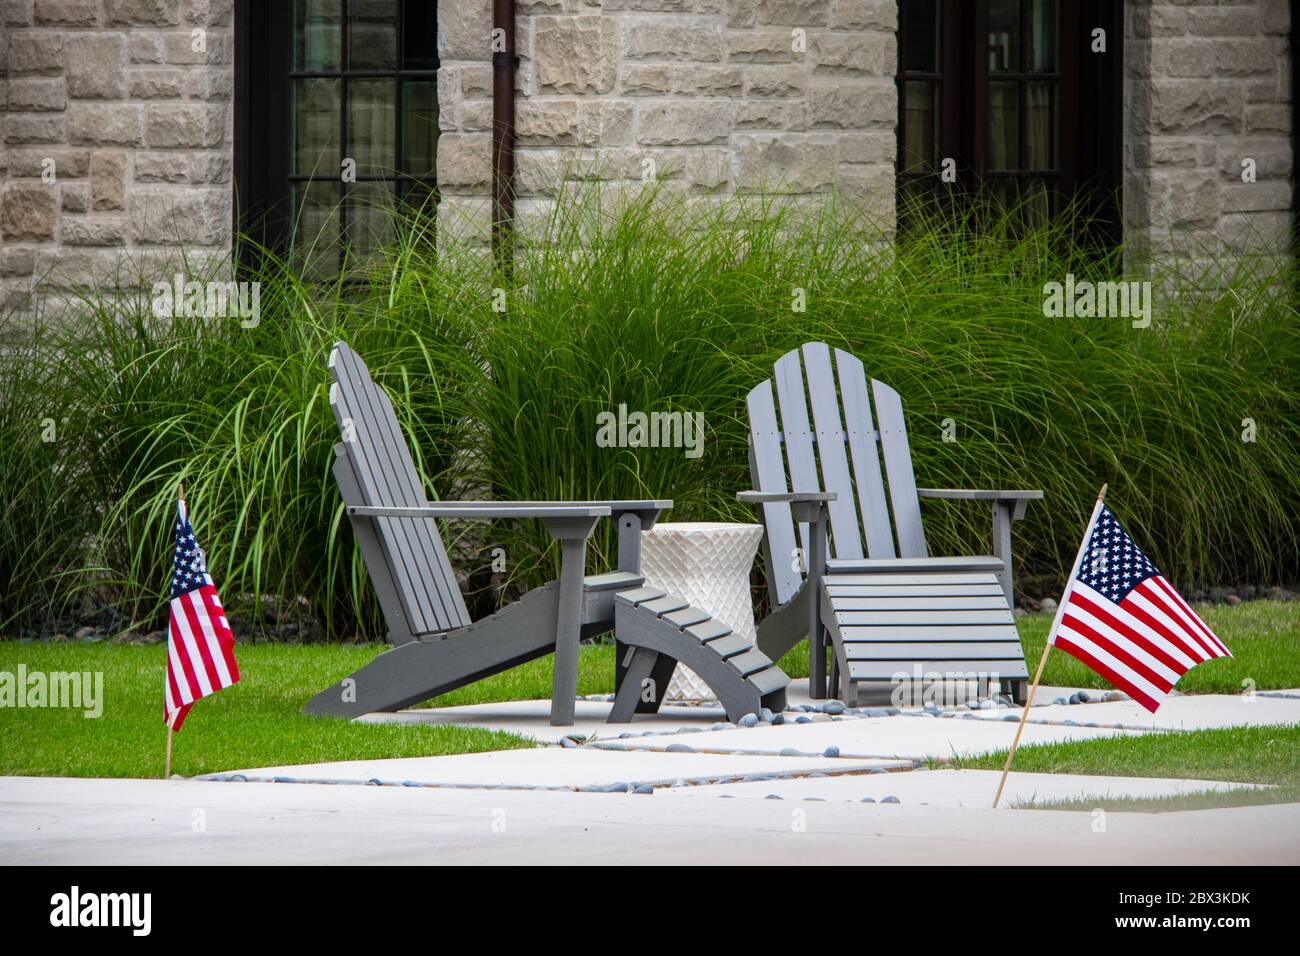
[1244, 754]
[257, 722]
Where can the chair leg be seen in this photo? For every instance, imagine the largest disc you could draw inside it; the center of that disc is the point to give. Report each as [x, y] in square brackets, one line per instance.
[660, 676]
[568, 632]
[628, 697]
[1020, 691]
[816, 633]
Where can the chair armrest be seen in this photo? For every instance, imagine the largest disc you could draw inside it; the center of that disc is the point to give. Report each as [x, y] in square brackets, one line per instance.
[808, 506]
[965, 494]
[789, 497]
[648, 504]
[648, 510]
[1014, 499]
[485, 509]
[564, 519]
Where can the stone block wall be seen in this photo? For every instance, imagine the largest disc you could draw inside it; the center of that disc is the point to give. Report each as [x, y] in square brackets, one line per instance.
[115, 141]
[708, 98]
[116, 129]
[1207, 85]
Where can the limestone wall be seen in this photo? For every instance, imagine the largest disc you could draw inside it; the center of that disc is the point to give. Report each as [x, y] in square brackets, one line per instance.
[116, 129]
[115, 140]
[706, 97]
[1207, 86]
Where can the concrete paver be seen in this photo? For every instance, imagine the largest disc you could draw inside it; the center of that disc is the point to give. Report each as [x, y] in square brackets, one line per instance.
[488, 808]
[532, 718]
[89, 821]
[1193, 712]
[904, 736]
[963, 788]
[558, 767]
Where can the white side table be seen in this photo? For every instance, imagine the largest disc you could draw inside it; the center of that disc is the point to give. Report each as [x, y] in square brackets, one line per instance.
[706, 563]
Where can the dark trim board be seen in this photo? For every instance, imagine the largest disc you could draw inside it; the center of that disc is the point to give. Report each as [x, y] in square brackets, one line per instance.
[263, 52]
[1101, 121]
[1295, 128]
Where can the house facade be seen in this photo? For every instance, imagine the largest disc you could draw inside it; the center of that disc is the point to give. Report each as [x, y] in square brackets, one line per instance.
[135, 132]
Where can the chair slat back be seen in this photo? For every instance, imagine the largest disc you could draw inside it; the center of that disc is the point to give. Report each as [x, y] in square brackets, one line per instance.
[415, 558]
[839, 449]
[898, 466]
[831, 450]
[767, 468]
[796, 432]
[863, 452]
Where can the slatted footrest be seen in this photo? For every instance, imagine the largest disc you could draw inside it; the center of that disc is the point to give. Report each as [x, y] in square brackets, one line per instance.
[665, 630]
[921, 627]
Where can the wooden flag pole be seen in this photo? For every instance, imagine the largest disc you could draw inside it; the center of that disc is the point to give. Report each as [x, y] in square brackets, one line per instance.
[167, 767]
[1020, 729]
[1047, 646]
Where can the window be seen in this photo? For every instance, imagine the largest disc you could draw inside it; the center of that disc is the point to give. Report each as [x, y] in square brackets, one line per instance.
[336, 121]
[1008, 90]
[926, 97]
[1023, 157]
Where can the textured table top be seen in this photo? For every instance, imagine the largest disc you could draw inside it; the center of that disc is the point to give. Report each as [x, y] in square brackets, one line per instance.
[703, 527]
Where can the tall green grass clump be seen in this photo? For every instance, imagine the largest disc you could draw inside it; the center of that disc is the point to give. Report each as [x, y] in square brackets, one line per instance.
[240, 417]
[659, 304]
[665, 306]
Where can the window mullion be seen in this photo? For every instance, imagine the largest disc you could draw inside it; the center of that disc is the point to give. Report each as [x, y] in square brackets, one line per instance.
[397, 98]
[345, 61]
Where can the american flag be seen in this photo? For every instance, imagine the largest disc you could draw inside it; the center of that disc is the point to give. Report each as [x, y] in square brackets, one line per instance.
[200, 648]
[1124, 620]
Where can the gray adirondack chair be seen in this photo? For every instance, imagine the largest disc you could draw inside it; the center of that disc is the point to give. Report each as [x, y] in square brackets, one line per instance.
[891, 610]
[438, 648]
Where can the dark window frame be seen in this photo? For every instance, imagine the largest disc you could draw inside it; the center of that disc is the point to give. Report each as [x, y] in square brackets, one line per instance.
[263, 147]
[263, 50]
[1089, 168]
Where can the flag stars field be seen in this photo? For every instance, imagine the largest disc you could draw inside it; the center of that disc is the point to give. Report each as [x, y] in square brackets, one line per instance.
[1121, 617]
[200, 646]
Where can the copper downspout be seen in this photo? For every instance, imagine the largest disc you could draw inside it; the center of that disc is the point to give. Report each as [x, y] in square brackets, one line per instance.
[504, 65]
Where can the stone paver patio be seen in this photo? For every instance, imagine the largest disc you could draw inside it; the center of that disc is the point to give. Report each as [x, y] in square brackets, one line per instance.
[553, 768]
[959, 788]
[639, 792]
[83, 822]
[1199, 712]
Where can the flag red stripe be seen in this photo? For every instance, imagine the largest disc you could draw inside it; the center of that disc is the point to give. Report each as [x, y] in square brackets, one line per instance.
[1152, 593]
[1137, 637]
[211, 635]
[224, 636]
[173, 692]
[177, 717]
[1118, 666]
[1064, 643]
[190, 644]
[1135, 664]
[200, 641]
[1188, 647]
[181, 654]
[1193, 616]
